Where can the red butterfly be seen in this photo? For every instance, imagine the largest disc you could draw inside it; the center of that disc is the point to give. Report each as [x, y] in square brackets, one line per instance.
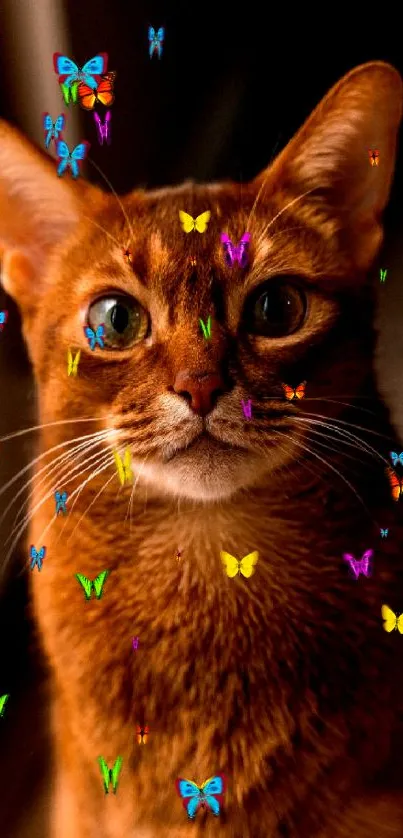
[142, 734]
[396, 484]
[127, 254]
[294, 393]
[373, 156]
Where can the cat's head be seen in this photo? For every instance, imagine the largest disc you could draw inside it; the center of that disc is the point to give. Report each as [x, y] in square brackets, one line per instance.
[299, 311]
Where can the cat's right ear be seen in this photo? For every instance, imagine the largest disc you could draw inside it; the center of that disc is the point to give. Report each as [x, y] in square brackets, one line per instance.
[38, 210]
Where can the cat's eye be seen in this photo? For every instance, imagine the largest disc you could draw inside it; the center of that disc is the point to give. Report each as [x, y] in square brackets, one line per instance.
[276, 309]
[125, 321]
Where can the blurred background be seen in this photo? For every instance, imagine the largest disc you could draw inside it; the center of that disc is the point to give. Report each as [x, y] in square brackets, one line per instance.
[231, 88]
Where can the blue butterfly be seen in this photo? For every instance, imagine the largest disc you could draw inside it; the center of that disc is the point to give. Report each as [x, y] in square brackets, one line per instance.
[208, 795]
[90, 73]
[37, 556]
[52, 129]
[155, 40]
[396, 458]
[61, 499]
[69, 158]
[384, 533]
[95, 337]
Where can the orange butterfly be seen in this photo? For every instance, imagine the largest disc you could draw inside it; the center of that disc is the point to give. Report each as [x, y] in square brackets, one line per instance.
[373, 154]
[142, 734]
[396, 484]
[297, 393]
[103, 93]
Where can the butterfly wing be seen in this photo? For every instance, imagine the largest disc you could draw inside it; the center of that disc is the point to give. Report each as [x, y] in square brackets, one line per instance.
[90, 334]
[105, 773]
[87, 96]
[115, 773]
[400, 624]
[69, 362]
[60, 123]
[288, 391]
[247, 564]
[232, 565]
[48, 128]
[300, 390]
[161, 34]
[353, 563]
[66, 69]
[96, 66]
[3, 702]
[243, 247]
[395, 483]
[99, 583]
[63, 153]
[229, 250]
[86, 583]
[151, 34]
[389, 617]
[187, 221]
[190, 793]
[105, 93]
[366, 562]
[127, 464]
[213, 789]
[394, 457]
[201, 221]
[79, 153]
[119, 466]
[76, 362]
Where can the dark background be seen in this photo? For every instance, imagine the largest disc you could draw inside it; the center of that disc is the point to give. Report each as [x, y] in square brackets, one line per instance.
[231, 88]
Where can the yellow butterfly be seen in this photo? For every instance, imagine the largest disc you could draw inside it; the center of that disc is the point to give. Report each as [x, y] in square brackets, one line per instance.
[72, 363]
[189, 223]
[246, 566]
[124, 466]
[391, 620]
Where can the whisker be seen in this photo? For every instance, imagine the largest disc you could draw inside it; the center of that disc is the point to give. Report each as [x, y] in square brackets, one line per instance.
[81, 488]
[116, 196]
[93, 501]
[343, 422]
[104, 230]
[46, 425]
[365, 446]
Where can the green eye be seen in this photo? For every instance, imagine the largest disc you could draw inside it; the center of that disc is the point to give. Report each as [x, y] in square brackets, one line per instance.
[275, 310]
[125, 321]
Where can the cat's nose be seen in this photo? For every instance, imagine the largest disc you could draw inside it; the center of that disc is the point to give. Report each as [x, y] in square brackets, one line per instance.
[200, 390]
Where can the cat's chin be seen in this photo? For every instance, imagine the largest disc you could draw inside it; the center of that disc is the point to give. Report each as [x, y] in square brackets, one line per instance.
[208, 470]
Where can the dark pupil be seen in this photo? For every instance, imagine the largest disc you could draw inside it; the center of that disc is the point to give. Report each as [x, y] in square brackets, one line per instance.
[119, 318]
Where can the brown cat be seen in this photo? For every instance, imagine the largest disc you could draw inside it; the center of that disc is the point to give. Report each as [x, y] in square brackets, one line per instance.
[286, 681]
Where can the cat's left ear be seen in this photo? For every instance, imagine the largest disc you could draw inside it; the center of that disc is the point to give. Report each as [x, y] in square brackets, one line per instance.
[329, 158]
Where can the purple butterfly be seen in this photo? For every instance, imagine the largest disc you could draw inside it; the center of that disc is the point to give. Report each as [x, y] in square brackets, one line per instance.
[362, 566]
[236, 252]
[103, 129]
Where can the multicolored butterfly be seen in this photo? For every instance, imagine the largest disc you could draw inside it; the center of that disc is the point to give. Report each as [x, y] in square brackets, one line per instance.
[396, 483]
[384, 533]
[90, 74]
[61, 499]
[234, 566]
[207, 796]
[236, 252]
[3, 319]
[373, 156]
[155, 41]
[103, 94]
[69, 159]
[89, 584]
[362, 565]
[95, 337]
[37, 556]
[396, 458]
[142, 734]
[72, 363]
[392, 621]
[294, 393]
[189, 223]
[124, 466]
[53, 129]
[110, 775]
[70, 93]
[103, 128]
[3, 702]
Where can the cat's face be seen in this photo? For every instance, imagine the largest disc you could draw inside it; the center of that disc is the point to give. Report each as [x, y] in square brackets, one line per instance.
[297, 312]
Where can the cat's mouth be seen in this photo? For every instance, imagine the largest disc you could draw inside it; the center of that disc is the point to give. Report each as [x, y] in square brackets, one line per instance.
[203, 443]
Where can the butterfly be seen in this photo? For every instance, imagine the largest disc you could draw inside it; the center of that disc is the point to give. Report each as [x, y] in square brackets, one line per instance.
[103, 93]
[124, 466]
[178, 555]
[69, 158]
[207, 796]
[189, 223]
[234, 566]
[95, 337]
[69, 72]
[103, 128]
[135, 643]
[142, 734]
[382, 274]
[52, 129]
[3, 319]
[236, 252]
[206, 327]
[37, 556]
[155, 41]
[360, 566]
[70, 93]
[396, 458]
[396, 483]
[247, 408]
[297, 393]
[72, 363]
[128, 256]
[384, 533]
[391, 620]
[61, 499]
[88, 584]
[3, 702]
[110, 775]
[373, 156]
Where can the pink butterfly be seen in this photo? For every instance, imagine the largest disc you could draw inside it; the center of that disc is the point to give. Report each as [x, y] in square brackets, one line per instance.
[362, 566]
[236, 252]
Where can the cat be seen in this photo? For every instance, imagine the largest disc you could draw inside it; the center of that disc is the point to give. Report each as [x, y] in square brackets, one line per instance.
[285, 682]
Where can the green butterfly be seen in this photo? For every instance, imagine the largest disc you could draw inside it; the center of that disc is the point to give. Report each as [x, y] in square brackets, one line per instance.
[206, 327]
[87, 584]
[69, 93]
[110, 775]
[3, 700]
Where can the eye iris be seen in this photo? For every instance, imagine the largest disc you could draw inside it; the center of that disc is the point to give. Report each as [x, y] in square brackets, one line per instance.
[119, 318]
[279, 311]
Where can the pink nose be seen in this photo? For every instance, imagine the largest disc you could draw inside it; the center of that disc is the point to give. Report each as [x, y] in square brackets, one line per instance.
[200, 390]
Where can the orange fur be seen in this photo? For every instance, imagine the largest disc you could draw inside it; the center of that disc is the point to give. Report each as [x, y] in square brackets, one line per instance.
[286, 682]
